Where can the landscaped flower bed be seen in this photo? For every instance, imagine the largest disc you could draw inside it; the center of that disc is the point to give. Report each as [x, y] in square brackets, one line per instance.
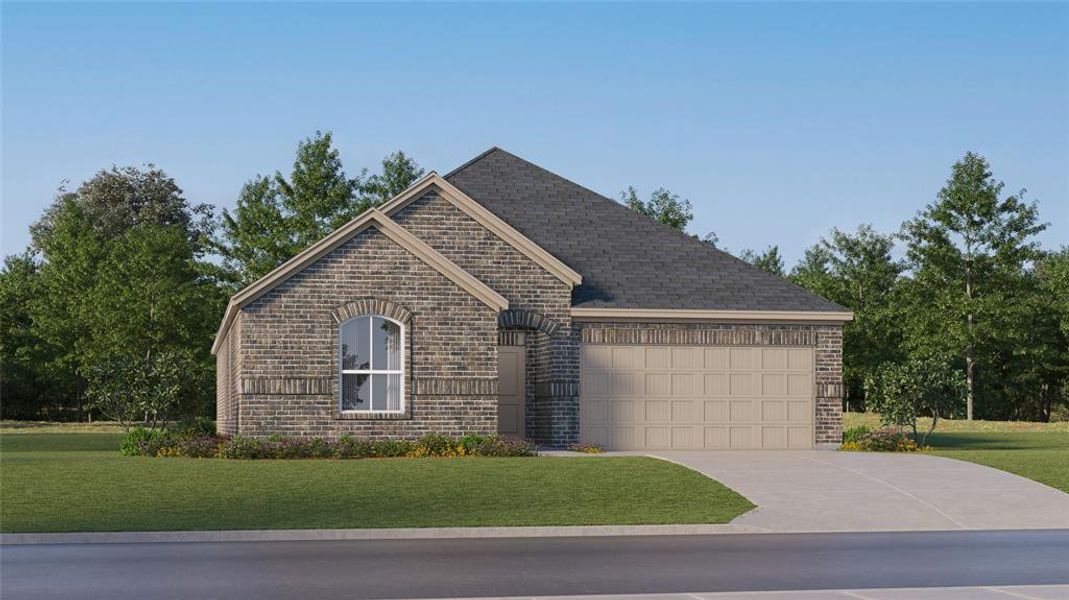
[888, 439]
[168, 443]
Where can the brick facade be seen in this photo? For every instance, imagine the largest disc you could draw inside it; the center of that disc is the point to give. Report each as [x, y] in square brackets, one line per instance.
[285, 363]
[277, 369]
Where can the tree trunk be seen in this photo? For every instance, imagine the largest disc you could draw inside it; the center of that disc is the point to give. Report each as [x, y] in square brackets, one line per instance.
[969, 363]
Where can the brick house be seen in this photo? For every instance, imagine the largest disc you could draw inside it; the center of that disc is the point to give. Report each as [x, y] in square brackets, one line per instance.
[504, 298]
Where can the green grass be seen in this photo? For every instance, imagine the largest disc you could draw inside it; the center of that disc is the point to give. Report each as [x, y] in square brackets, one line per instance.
[78, 482]
[1042, 457]
[872, 420]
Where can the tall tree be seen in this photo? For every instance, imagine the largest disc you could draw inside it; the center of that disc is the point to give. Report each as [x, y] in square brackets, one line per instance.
[277, 217]
[90, 297]
[857, 271]
[663, 207]
[769, 261]
[966, 253]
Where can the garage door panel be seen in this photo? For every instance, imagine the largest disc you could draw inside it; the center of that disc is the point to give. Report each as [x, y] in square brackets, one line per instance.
[799, 385]
[716, 359]
[686, 384]
[774, 359]
[657, 438]
[741, 384]
[665, 397]
[658, 358]
[773, 384]
[628, 357]
[685, 411]
[683, 438]
[627, 383]
[716, 384]
[688, 358]
[658, 384]
[773, 411]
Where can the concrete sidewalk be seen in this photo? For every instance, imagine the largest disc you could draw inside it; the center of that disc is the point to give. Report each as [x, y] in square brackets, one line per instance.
[1019, 592]
[807, 491]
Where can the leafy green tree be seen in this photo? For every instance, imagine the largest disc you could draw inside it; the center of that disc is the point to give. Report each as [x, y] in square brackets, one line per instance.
[277, 217]
[967, 252]
[121, 280]
[917, 387]
[769, 261]
[143, 389]
[149, 299]
[27, 388]
[663, 207]
[857, 271]
[399, 171]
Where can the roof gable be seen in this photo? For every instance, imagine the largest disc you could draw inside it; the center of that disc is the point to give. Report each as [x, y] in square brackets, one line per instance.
[627, 260]
[487, 219]
[384, 224]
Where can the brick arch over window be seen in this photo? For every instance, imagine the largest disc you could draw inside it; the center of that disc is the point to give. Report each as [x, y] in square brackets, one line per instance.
[371, 306]
[519, 318]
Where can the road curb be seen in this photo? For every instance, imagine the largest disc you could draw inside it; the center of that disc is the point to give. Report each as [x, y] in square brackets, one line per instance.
[309, 535]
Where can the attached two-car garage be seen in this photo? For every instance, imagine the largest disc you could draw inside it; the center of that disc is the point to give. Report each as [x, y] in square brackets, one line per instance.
[639, 397]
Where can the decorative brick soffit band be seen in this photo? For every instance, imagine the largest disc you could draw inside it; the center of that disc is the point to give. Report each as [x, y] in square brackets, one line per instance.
[829, 390]
[556, 389]
[455, 386]
[371, 306]
[511, 337]
[700, 337]
[525, 318]
[290, 386]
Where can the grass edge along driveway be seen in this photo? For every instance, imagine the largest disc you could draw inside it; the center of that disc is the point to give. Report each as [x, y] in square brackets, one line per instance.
[54, 482]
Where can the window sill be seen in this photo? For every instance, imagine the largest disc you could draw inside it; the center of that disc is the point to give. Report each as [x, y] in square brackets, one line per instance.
[372, 416]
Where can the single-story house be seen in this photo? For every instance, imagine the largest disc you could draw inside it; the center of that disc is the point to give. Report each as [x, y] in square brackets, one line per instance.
[504, 298]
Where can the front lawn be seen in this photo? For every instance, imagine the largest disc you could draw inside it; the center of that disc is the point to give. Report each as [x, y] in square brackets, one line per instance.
[78, 482]
[1042, 457]
[1038, 451]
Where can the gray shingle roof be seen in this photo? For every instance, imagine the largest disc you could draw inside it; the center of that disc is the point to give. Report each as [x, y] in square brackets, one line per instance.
[626, 259]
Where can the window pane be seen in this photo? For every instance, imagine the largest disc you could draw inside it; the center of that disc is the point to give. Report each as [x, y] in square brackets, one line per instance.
[386, 392]
[386, 336]
[355, 344]
[393, 392]
[355, 392]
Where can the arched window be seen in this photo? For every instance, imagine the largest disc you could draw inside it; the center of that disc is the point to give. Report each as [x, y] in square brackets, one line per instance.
[372, 365]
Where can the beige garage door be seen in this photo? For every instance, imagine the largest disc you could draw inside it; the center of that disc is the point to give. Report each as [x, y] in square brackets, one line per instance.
[676, 397]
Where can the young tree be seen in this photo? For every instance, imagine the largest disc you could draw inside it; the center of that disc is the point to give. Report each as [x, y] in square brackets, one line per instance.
[769, 261]
[857, 271]
[966, 252]
[663, 207]
[902, 392]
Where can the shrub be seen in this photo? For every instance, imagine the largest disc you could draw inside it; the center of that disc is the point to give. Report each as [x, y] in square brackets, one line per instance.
[241, 447]
[881, 440]
[141, 441]
[586, 448]
[854, 434]
[146, 442]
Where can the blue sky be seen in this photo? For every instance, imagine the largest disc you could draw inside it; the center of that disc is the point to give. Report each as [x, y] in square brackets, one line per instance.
[778, 121]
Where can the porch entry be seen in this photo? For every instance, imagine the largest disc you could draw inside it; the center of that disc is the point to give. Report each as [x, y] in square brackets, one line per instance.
[511, 390]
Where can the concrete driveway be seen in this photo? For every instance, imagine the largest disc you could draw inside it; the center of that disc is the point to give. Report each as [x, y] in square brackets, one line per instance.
[859, 491]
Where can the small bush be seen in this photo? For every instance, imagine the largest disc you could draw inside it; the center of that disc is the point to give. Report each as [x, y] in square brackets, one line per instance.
[881, 440]
[140, 441]
[854, 434]
[586, 448]
[241, 448]
[505, 446]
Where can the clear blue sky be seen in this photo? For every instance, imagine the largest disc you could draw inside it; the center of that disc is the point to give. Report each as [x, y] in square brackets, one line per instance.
[778, 121]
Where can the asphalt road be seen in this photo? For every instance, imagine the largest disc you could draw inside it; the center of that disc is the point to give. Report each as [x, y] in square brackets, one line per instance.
[546, 566]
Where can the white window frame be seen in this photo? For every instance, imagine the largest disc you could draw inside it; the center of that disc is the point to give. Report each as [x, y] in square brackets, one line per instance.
[342, 372]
